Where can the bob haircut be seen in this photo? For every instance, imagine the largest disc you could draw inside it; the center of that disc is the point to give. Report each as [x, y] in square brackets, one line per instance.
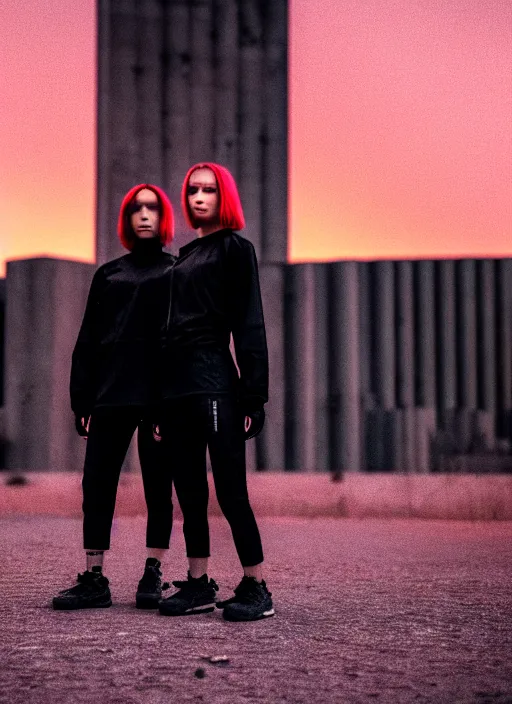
[231, 215]
[124, 226]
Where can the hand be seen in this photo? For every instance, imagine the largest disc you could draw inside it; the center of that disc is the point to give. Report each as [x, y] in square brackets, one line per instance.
[82, 426]
[254, 421]
[157, 437]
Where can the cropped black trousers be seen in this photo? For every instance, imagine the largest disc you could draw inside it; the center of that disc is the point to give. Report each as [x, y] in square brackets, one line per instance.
[110, 432]
[189, 426]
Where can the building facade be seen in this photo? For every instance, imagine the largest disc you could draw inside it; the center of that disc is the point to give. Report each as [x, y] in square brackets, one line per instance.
[376, 366]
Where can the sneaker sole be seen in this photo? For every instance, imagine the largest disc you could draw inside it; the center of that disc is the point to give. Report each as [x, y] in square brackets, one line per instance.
[207, 609]
[77, 607]
[265, 614]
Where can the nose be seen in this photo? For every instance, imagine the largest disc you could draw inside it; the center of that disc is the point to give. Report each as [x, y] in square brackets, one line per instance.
[144, 213]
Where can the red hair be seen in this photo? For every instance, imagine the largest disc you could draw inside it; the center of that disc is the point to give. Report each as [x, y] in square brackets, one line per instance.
[166, 225]
[231, 215]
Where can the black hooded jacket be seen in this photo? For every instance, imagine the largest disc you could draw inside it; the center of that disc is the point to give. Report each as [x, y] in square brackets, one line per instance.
[117, 354]
[216, 293]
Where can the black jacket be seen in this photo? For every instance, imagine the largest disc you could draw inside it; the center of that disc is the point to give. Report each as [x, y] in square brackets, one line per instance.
[216, 292]
[117, 355]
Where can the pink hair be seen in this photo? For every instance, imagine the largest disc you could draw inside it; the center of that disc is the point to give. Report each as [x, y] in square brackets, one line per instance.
[124, 226]
[231, 215]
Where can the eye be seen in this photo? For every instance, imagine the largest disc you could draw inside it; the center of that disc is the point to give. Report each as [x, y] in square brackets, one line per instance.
[192, 190]
[210, 189]
[153, 207]
[136, 207]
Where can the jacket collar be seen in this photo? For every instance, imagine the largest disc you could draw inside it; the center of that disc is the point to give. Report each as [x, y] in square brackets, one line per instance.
[202, 241]
[147, 248]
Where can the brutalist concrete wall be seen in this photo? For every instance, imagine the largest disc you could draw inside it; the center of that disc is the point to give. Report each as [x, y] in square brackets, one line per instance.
[307, 417]
[181, 82]
[406, 365]
[386, 366]
[2, 374]
[45, 301]
[2, 339]
[376, 366]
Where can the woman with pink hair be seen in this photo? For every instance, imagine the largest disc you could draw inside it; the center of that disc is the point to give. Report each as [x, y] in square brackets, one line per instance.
[207, 404]
[113, 388]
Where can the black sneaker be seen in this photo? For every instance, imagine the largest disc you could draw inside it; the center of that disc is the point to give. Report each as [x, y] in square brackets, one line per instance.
[251, 602]
[91, 592]
[149, 591]
[195, 596]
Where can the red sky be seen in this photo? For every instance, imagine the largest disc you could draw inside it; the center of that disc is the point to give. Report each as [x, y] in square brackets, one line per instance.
[401, 115]
[400, 139]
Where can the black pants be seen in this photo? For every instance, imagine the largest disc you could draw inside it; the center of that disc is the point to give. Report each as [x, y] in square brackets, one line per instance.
[190, 425]
[110, 432]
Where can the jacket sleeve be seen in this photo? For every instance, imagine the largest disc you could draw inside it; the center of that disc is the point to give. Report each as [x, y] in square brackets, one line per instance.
[82, 384]
[247, 323]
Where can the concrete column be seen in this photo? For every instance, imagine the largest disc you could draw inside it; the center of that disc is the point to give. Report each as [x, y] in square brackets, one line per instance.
[365, 358]
[447, 337]
[271, 442]
[226, 87]
[123, 170]
[425, 335]
[405, 363]
[3, 430]
[426, 416]
[104, 225]
[307, 410]
[202, 81]
[148, 74]
[275, 134]
[365, 336]
[250, 92]
[384, 358]
[344, 325]
[382, 435]
[466, 354]
[405, 334]
[486, 361]
[467, 342]
[504, 347]
[2, 340]
[45, 303]
[176, 124]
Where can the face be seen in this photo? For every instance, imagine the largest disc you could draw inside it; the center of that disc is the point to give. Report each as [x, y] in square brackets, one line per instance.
[145, 214]
[203, 197]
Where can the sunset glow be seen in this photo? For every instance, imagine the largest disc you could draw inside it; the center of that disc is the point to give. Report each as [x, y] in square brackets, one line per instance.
[400, 129]
[400, 141]
[47, 134]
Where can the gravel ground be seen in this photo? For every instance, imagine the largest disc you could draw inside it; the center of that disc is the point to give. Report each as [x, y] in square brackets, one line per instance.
[370, 610]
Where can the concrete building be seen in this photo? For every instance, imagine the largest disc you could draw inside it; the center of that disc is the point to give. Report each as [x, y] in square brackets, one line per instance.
[181, 82]
[380, 366]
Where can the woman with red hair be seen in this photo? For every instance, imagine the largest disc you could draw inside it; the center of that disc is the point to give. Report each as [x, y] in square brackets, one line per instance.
[207, 404]
[113, 386]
